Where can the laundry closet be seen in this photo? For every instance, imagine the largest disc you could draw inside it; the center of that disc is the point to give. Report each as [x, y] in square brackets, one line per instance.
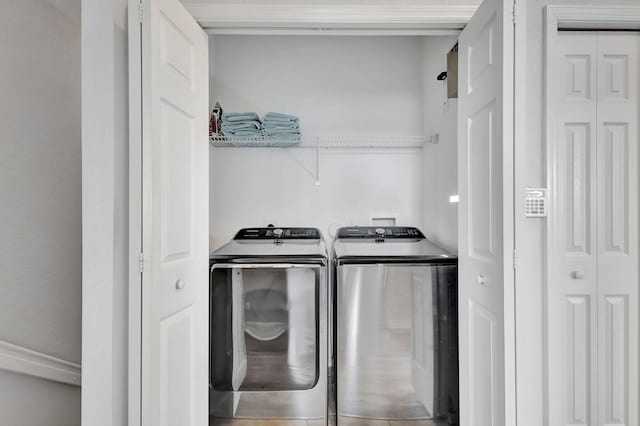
[383, 142]
[373, 115]
[371, 111]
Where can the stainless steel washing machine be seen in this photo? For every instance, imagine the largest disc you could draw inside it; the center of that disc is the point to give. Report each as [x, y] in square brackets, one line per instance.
[268, 330]
[396, 326]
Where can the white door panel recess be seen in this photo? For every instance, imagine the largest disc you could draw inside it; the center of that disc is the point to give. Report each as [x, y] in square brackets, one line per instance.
[172, 80]
[592, 292]
[485, 132]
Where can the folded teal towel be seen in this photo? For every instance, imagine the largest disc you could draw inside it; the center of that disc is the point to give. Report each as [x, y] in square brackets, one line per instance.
[283, 129]
[280, 123]
[237, 125]
[279, 120]
[240, 116]
[243, 133]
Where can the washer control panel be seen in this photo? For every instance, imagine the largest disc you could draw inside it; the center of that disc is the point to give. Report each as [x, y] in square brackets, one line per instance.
[387, 232]
[272, 233]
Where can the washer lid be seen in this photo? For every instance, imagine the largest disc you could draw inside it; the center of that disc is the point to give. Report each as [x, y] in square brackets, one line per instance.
[271, 233]
[274, 242]
[395, 243]
[379, 232]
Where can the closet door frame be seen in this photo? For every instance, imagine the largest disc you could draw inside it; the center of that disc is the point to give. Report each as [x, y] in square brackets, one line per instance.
[561, 18]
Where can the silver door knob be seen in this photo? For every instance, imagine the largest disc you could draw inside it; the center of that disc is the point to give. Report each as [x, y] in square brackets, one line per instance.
[576, 275]
[180, 284]
[481, 280]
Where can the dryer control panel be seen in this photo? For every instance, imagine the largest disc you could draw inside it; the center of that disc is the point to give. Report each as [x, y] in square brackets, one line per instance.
[387, 232]
[272, 233]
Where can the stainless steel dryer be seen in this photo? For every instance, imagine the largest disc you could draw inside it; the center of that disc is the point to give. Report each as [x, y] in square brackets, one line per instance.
[268, 330]
[396, 326]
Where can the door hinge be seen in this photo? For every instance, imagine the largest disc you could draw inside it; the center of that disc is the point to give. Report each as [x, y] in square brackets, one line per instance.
[140, 12]
[514, 13]
[515, 260]
[141, 262]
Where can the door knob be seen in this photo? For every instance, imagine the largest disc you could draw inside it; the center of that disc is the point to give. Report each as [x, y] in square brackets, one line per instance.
[577, 275]
[180, 284]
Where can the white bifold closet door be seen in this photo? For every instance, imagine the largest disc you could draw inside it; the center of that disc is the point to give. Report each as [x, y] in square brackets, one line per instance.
[592, 288]
[169, 151]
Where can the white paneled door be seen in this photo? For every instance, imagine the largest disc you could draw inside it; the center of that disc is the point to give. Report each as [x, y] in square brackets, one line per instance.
[617, 227]
[485, 132]
[172, 83]
[592, 292]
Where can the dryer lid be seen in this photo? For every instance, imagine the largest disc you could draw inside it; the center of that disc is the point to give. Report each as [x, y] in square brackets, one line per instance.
[274, 242]
[396, 243]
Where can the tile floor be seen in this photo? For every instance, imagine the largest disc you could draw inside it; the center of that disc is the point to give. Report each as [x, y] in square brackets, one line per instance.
[344, 421]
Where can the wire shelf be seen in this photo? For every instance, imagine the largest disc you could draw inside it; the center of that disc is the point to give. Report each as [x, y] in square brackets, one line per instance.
[376, 141]
[252, 142]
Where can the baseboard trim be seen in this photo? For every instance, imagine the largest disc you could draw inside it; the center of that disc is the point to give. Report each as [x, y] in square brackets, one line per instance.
[18, 359]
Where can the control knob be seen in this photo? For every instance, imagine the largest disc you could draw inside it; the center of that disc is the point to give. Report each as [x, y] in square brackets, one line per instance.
[380, 232]
[278, 232]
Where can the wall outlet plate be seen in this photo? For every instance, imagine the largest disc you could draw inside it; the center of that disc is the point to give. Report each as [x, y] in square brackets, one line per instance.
[535, 202]
[384, 219]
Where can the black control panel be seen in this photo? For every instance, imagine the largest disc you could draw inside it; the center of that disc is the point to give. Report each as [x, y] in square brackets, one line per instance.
[379, 232]
[273, 233]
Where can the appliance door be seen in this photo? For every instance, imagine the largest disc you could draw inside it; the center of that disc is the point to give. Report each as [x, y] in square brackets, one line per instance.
[267, 336]
[397, 341]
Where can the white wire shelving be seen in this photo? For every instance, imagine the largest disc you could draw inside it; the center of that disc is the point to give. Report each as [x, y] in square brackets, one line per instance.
[318, 143]
[321, 142]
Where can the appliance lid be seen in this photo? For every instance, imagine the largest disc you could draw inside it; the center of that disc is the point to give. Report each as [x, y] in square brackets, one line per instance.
[272, 233]
[273, 242]
[389, 243]
[378, 232]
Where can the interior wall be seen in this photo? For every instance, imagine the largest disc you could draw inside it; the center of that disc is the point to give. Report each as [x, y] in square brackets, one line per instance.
[337, 86]
[441, 158]
[40, 206]
[530, 246]
[105, 195]
[29, 401]
[356, 2]
[256, 187]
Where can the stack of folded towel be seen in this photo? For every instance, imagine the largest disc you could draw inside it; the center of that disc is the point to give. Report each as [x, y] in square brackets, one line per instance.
[281, 126]
[241, 124]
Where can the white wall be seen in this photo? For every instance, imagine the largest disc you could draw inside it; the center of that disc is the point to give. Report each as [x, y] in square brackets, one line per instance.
[530, 232]
[105, 154]
[28, 401]
[354, 185]
[336, 85]
[355, 2]
[40, 205]
[441, 159]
